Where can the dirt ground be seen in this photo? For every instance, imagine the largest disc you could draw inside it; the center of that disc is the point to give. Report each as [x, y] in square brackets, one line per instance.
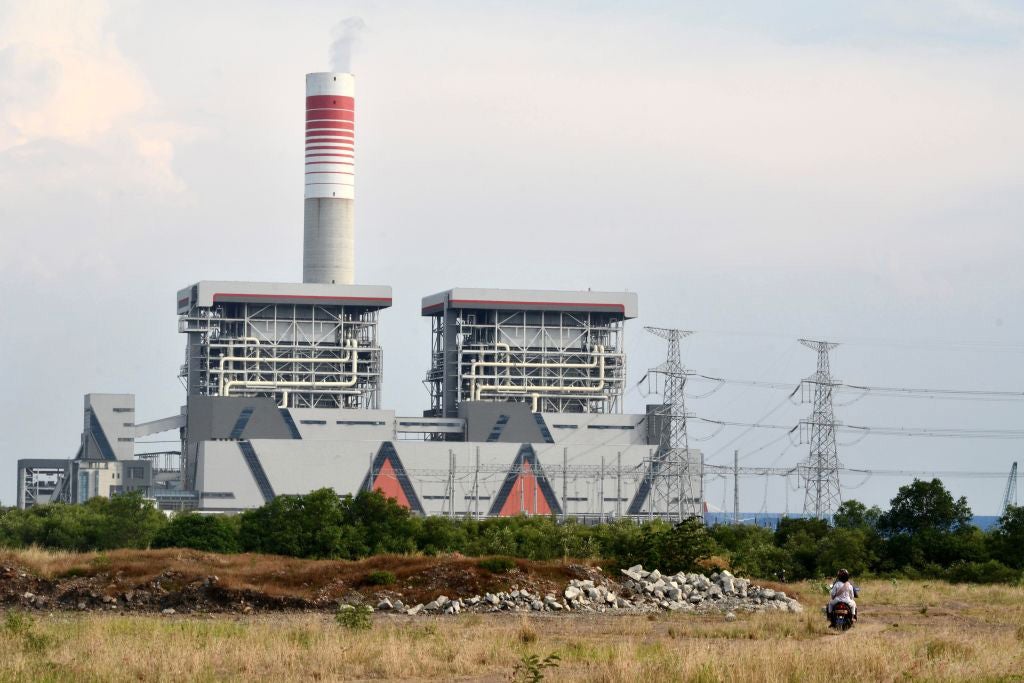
[190, 581]
[908, 630]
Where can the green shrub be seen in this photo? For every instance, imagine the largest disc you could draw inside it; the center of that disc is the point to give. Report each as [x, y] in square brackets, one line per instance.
[380, 578]
[212, 533]
[530, 667]
[354, 617]
[992, 571]
[497, 565]
[18, 623]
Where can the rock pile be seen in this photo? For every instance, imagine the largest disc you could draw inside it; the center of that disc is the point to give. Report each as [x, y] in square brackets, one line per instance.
[720, 592]
[516, 600]
[641, 590]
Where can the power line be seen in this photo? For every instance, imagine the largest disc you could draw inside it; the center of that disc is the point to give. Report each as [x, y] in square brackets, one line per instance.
[892, 392]
[787, 471]
[926, 432]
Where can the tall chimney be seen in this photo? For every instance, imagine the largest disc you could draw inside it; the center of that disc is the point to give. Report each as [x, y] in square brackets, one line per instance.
[328, 250]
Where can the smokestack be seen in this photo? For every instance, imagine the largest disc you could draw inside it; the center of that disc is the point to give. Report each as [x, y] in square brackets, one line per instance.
[328, 250]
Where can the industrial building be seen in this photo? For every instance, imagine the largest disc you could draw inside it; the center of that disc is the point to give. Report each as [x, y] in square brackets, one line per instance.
[283, 390]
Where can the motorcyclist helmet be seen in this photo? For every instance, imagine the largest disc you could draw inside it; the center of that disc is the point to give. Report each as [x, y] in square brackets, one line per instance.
[843, 575]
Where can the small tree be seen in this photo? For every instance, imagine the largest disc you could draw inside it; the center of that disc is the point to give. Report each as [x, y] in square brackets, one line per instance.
[1007, 539]
[852, 514]
[925, 505]
[679, 547]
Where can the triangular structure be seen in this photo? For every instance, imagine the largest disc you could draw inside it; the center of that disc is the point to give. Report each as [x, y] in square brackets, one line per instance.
[641, 502]
[636, 506]
[389, 477]
[526, 489]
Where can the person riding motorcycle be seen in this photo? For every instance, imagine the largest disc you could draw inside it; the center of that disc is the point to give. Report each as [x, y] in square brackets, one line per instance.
[843, 591]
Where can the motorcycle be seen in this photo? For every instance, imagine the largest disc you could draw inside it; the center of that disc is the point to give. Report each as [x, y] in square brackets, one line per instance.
[841, 616]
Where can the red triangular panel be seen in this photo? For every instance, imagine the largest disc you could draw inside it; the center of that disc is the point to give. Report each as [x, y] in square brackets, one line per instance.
[526, 496]
[390, 478]
[387, 483]
[526, 489]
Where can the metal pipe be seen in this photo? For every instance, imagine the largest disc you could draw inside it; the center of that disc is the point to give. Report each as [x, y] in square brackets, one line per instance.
[349, 345]
[523, 388]
[597, 353]
[312, 384]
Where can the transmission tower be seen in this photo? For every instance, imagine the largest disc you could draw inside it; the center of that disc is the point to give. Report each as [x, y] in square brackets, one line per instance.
[1010, 496]
[671, 485]
[821, 471]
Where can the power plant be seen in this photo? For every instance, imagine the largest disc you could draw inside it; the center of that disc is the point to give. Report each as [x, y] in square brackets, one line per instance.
[283, 390]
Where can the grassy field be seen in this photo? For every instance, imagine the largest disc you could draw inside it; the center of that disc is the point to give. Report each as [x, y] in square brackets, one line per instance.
[908, 631]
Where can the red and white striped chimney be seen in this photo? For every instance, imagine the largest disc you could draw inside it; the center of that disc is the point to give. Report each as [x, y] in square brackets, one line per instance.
[328, 254]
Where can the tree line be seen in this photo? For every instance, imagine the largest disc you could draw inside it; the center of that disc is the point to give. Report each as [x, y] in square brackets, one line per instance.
[925, 532]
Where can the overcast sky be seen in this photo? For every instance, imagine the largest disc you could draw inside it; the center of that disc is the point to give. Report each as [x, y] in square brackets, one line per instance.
[757, 172]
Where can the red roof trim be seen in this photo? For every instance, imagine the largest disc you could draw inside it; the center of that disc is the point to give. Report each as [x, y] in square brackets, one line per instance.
[302, 296]
[576, 304]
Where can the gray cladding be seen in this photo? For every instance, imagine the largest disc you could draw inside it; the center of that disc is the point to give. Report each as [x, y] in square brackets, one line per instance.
[223, 417]
[482, 422]
[108, 432]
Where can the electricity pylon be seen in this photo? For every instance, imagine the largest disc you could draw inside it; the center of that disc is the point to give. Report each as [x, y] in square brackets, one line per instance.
[671, 480]
[821, 470]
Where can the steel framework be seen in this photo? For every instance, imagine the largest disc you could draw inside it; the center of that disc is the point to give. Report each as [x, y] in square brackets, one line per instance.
[821, 470]
[671, 490]
[304, 356]
[1010, 495]
[39, 481]
[557, 361]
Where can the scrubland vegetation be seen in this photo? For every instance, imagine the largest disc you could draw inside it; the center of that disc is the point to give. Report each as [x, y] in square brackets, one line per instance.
[925, 533]
[908, 631]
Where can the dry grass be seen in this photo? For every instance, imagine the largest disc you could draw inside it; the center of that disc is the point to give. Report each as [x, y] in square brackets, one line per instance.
[971, 633]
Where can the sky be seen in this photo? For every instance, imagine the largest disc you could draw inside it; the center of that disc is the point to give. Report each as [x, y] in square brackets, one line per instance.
[756, 172]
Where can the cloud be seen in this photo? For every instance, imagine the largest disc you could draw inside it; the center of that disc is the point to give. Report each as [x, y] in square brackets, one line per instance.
[77, 120]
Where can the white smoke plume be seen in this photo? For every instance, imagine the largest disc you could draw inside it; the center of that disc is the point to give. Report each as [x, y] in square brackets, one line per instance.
[346, 36]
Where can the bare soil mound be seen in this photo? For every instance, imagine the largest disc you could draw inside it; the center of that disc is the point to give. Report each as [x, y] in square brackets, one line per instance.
[194, 581]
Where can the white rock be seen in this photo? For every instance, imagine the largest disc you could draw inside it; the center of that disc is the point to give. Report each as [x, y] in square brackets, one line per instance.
[571, 592]
[729, 616]
[169, 610]
[412, 611]
[385, 604]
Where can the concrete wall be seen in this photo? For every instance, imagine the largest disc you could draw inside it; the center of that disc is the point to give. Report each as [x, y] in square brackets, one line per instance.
[228, 481]
[108, 430]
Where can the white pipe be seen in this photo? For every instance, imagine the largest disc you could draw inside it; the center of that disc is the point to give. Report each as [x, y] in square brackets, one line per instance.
[597, 356]
[310, 384]
[523, 388]
[349, 345]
